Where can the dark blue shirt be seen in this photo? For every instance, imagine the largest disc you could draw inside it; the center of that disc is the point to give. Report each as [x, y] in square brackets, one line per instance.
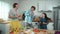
[43, 20]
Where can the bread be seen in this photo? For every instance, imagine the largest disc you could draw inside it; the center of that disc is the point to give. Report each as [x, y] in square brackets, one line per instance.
[36, 19]
[1, 20]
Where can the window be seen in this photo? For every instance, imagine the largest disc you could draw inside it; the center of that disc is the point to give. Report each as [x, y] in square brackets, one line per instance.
[4, 9]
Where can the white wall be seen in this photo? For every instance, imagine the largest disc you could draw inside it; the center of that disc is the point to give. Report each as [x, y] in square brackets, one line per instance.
[48, 4]
[44, 4]
[26, 4]
[10, 1]
[39, 4]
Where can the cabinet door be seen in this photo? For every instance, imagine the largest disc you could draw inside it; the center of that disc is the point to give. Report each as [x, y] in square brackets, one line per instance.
[59, 14]
[4, 28]
[55, 19]
[58, 24]
[59, 19]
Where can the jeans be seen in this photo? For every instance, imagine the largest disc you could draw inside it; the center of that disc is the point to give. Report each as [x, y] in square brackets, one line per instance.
[43, 26]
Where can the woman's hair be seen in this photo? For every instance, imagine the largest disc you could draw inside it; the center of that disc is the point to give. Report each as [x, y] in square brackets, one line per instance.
[48, 19]
[14, 5]
[45, 16]
[33, 7]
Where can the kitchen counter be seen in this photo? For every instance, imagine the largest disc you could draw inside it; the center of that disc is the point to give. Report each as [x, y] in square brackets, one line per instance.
[36, 31]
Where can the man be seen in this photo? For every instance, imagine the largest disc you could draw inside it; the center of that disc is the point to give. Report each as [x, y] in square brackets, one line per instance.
[29, 15]
[14, 14]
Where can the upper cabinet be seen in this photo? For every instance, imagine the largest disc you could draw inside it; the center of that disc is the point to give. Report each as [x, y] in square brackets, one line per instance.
[46, 5]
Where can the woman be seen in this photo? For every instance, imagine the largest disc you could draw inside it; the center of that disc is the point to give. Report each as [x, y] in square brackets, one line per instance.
[14, 14]
[44, 20]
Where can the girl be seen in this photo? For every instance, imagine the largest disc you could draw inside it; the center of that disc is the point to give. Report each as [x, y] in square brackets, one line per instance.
[43, 19]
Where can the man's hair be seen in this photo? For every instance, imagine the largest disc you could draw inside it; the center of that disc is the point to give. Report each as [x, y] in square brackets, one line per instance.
[14, 5]
[33, 7]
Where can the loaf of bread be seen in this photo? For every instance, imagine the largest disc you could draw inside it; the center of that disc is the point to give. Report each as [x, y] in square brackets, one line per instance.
[1, 20]
[36, 19]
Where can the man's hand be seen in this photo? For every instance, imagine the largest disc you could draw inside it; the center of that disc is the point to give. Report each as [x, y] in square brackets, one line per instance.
[17, 15]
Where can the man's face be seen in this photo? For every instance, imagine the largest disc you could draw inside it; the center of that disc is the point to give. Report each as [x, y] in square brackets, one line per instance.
[32, 9]
[16, 6]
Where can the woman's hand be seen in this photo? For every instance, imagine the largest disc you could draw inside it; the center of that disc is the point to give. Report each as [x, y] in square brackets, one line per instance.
[44, 23]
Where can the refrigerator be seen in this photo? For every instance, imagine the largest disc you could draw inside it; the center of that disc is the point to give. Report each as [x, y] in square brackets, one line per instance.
[56, 11]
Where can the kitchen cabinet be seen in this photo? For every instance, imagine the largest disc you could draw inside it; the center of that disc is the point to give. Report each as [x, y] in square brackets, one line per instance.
[0, 31]
[56, 18]
[4, 28]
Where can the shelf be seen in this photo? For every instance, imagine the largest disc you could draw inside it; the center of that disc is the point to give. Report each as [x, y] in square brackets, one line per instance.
[45, 11]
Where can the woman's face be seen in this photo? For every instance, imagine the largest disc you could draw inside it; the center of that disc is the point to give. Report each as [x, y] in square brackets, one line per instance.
[43, 15]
